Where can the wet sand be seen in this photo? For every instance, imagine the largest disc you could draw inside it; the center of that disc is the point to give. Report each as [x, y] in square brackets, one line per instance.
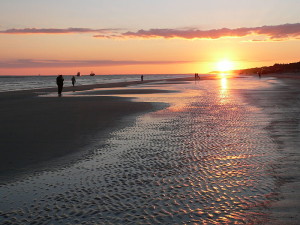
[36, 131]
[283, 107]
[222, 151]
[283, 76]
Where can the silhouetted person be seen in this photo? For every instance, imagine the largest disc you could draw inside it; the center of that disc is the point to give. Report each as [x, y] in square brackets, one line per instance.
[60, 84]
[142, 78]
[73, 81]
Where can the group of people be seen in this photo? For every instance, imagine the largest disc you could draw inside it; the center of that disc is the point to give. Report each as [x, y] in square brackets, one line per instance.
[197, 76]
[60, 83]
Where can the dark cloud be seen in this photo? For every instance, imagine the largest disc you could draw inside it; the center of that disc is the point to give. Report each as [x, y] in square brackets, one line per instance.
[56, 31]
[31, 63]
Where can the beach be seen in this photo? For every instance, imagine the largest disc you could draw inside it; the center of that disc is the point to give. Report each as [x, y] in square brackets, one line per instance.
[283, 107]
[37, 129]
[222, 150]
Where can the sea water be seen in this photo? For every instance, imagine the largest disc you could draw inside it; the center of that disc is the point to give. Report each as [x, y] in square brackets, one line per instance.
[17, 83]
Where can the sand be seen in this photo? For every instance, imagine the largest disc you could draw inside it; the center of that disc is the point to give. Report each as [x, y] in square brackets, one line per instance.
[281, 75]
[36, 130]
[221, 153]
[283, 106]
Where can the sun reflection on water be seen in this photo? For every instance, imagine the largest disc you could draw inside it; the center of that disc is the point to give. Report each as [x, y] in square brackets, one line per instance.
[223, 90]
[224, 83]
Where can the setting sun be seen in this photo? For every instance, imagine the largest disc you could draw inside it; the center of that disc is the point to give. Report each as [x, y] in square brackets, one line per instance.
[225, 65]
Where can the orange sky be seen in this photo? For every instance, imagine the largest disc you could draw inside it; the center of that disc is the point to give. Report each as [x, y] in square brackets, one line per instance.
[54, 40]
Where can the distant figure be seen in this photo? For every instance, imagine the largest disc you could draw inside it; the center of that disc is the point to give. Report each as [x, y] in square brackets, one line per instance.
[142, 78]
[197, 76]
[60, 84]
[73, 81]
[259, 74]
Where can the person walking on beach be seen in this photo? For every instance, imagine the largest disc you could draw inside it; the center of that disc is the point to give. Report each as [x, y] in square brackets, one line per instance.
[142, 78]
[60, 84]
[73, 81]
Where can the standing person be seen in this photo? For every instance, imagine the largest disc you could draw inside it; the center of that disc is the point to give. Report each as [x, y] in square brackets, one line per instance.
[73, 81]
[60, 84]
[142, 78]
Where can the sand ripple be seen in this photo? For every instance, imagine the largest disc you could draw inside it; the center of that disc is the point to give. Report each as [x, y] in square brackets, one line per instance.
[205, 159]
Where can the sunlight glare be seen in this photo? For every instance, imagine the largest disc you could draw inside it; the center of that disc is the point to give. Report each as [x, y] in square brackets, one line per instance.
[224, 84]
[225, 65]
[224, 91]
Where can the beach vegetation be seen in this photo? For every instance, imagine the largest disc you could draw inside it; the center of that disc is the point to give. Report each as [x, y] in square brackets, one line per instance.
[276, 68]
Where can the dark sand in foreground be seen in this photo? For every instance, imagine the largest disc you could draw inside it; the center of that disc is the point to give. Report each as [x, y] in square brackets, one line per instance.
[36, 129]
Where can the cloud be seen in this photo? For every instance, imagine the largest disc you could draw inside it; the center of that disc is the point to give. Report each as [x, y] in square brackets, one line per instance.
[31, 63]
[265, 33]
[70, 30]
[278, 32]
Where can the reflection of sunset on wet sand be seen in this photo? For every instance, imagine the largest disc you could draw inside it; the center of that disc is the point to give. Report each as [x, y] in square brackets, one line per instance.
[223, 89]
[203, 156]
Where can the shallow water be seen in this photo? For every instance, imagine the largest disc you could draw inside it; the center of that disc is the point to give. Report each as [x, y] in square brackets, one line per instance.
[207, 158]
[17, 83]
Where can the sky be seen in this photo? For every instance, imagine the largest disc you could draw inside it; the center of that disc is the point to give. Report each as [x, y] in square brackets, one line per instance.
[51, 37]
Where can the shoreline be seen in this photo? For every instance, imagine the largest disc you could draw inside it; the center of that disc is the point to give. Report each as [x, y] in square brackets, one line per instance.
[38, 130]
[32, 126]
[278, 75]
[38, 91]
[280, 196]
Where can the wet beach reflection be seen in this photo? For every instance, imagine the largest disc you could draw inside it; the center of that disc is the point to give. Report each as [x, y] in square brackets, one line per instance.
[207, 158]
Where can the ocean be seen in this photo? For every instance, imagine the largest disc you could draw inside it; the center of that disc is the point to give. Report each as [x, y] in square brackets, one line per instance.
[17, 83]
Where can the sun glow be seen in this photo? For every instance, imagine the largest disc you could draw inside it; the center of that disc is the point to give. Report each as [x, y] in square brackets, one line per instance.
[225, 66]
